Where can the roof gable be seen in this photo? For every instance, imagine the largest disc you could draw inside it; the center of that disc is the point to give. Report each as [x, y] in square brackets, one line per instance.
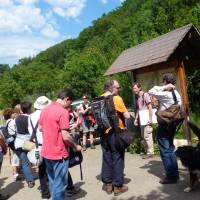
[151, 52]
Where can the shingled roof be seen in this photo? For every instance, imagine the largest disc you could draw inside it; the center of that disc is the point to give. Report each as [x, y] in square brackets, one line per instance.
[151, 52]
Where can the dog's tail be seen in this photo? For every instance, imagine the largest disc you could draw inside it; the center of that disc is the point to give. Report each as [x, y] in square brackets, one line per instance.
[195, 129]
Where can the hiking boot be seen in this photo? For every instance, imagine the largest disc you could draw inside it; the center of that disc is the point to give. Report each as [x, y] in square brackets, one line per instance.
[71, 192]
[2, 197]
[120, 190]
[168, 181]
[31, 184]
[109, 188]
[84, 148]
[92, 146]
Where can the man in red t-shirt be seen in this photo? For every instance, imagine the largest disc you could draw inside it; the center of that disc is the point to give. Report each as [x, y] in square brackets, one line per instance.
[54, 122]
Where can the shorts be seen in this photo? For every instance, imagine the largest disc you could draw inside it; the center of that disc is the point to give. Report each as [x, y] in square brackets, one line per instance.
[15, 162]
[87, 129]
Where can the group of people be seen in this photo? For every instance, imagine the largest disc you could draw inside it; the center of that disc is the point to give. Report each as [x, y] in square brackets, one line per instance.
[55, 135]
[20, 124]
[113, 157]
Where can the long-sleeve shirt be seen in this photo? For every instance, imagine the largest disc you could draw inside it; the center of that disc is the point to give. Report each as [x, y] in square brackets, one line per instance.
[164, 97]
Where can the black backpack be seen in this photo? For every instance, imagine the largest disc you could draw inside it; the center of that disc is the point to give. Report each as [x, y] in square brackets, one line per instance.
[103, 111]
[8, 138]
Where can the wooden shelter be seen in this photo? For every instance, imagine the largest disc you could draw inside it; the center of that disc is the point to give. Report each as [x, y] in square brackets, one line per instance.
[172, 52]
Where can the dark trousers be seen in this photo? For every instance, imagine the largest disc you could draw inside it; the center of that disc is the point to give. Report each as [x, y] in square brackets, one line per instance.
[70, 184]
[112, 162]
[43, 180]
[165, 139]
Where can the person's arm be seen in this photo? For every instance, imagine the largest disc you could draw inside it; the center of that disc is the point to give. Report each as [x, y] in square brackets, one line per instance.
[127, 115]
[136, 121]
[149, 106]
[158, 91]
[69, 140]
[84, 111]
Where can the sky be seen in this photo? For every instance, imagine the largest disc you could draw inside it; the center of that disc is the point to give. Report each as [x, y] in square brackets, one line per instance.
[30, 26]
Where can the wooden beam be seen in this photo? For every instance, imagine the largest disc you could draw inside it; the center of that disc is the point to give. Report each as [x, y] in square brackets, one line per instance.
[185, 101]
[133, 79]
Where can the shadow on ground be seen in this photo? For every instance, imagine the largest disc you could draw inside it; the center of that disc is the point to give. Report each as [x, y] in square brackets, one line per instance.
[11, 188]
[166, 192]
[81, 194]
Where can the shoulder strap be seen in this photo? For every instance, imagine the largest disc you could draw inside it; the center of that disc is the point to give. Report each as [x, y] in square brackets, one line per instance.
[174, 97]
[34, 135]
[8, 128]
[8, 124]
[144, 103]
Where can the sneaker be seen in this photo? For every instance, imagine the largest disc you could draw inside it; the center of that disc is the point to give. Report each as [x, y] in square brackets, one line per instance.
[2, 197]
[31, 184]
[46, 197]
[146, 156]
[84, 148]
[15, 177]
[109, 188]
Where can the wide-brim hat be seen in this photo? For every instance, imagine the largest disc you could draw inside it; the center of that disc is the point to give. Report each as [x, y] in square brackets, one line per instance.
[41, 102]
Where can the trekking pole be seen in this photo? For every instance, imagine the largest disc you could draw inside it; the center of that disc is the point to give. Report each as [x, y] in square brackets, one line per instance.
[9, 153]
[81, 172]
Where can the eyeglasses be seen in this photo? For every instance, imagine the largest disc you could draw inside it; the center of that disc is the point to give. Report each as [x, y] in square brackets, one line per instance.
[118, 88]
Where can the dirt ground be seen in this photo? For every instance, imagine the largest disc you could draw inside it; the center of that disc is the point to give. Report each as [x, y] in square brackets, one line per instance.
[141, 176]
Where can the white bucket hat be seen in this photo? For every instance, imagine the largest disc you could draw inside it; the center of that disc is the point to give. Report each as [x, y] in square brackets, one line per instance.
[41, 102]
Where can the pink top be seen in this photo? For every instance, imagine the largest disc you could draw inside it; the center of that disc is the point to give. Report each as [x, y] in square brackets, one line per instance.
[53, 119]
[143, 100]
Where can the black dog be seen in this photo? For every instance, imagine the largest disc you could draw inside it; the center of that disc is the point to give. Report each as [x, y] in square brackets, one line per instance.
[190, 158]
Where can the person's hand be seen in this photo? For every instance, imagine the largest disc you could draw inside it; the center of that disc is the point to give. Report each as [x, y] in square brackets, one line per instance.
[78, 148]
[169, 86]
[37, 154]
[73, 126]
[136, 122]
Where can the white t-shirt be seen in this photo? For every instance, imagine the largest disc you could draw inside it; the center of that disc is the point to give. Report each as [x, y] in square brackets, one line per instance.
[164, 97]
[35, 116]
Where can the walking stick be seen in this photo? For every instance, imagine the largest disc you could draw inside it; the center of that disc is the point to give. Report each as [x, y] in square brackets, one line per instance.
[9, 153]
[81, 172]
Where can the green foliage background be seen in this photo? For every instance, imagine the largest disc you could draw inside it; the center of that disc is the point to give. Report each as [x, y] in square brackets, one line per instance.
[80, 63]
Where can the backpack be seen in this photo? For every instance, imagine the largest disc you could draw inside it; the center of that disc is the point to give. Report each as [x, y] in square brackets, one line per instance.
[103, 111]
[172, 116]
[8, 138]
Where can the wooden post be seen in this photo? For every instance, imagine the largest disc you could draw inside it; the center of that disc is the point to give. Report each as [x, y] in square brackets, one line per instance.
[185, 101]
[133, 79]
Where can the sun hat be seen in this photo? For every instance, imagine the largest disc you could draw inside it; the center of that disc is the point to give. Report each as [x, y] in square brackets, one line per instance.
[41, 102]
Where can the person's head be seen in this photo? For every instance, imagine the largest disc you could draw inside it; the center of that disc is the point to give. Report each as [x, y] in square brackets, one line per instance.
[66, 96]
[26, 107]
[41, 102]
[112, 86]
[85, 98]
[7, 113]
[137, 88]
[169, 78]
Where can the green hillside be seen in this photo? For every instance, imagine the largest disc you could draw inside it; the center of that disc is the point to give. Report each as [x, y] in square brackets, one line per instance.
[80, 63]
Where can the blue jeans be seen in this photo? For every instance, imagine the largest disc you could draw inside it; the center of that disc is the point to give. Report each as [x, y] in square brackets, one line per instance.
[25, 164]
[57, 171]
[166, 146]
[113, 162]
